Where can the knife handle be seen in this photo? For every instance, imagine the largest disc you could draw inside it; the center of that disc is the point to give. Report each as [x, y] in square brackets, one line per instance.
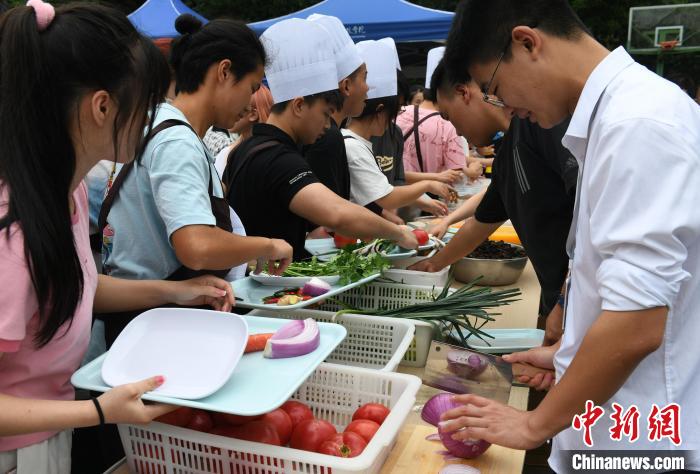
[521, 368]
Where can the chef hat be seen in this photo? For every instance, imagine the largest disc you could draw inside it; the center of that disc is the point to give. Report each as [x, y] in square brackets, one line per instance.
[390, 41]
[347, 58]
[434, 57]
[300, 59]
[381, 68]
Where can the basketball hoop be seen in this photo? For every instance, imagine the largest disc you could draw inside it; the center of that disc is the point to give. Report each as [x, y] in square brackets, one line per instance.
[668, 45]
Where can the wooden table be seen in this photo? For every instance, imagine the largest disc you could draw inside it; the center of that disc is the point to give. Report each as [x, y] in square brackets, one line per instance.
[412, 453]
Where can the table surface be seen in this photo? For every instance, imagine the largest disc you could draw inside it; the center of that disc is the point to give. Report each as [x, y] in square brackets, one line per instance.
[412, 449]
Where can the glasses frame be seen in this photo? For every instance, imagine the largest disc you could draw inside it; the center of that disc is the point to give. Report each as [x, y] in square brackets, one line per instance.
[487, 98]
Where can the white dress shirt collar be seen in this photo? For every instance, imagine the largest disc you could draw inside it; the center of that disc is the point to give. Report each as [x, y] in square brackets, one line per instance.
[602, 75]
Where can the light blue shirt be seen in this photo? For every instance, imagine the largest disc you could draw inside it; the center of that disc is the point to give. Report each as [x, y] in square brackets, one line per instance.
[167, 189]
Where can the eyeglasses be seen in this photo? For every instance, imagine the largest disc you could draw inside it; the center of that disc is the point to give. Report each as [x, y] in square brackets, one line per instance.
[492, 99]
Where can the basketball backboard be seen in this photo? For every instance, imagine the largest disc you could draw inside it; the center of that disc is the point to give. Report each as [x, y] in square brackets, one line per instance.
[655, 27]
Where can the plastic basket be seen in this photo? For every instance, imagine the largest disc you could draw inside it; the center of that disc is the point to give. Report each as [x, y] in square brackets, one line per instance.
[372, 342]
[393, 296]
[399, 274]
[333, 393]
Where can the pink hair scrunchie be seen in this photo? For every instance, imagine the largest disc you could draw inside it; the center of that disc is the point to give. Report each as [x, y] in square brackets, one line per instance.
[45, 13]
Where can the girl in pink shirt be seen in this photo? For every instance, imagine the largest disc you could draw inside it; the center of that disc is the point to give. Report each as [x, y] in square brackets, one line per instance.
[83, 76]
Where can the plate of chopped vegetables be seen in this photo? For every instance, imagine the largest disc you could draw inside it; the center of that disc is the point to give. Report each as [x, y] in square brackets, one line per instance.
[274, 280]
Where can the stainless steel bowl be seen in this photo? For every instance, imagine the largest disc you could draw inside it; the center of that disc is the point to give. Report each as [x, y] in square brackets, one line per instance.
[494, 272]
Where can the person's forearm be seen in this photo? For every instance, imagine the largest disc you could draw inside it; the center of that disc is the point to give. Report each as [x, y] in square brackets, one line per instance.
[611, 349]
[205, 247]
[21, 415]
[414, 176]
[364, 224]
[118, 294]
[404, 195]
[469, 237]
[467, 209]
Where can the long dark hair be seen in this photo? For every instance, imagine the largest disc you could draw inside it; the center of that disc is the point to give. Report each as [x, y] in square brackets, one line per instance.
[201, 46]
[43, 76]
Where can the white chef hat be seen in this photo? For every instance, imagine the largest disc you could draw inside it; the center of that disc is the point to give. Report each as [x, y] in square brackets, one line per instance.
[347, 58]
[381, 68]
[390, 41]
[300, 59]
[434, 57]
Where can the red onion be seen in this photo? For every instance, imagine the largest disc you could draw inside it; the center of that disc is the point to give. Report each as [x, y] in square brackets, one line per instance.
[433, 409]
[467, 366]
[463, 449]
[436, 406]
[316, 287]
[295, 338]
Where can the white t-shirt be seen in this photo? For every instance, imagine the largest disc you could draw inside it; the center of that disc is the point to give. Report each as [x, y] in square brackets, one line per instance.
[367, 182]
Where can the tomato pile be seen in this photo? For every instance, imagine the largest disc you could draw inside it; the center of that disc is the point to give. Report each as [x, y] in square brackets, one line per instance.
[291, 424]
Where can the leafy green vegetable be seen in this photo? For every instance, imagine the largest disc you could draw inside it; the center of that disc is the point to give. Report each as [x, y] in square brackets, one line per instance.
[350, 266]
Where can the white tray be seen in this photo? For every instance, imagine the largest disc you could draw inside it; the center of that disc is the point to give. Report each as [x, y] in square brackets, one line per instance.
[333, 393]
[177, 343]
[258, 385]
[251, 293]
[282, 281]
[507, 340]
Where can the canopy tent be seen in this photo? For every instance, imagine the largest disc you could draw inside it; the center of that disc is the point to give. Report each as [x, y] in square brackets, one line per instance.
[372, 19]
[156, 18]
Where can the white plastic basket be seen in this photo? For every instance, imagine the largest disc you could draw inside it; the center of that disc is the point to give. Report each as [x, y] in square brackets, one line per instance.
[333, 393]
[399, 274]
[372, 342]
[393, 296]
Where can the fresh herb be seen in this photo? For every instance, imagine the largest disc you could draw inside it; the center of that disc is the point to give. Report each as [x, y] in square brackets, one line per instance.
[350, 266]
[450, 313]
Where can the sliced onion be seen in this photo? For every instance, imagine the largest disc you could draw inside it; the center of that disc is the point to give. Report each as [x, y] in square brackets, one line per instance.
[316, 287]
[465, 365]
[436, 406]
[433, 437]
[459, 469]
[463, 449]
[294, 339]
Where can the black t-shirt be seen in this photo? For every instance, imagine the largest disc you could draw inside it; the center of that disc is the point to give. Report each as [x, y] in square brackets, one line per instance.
[265, 186]
[329, 162]
[388, 151]
[534, 185]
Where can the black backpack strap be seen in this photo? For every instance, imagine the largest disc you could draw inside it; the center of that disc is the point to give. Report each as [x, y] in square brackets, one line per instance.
[414, 131]
[126, 170]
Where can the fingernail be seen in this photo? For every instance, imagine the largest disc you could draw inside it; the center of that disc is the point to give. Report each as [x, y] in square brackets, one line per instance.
[442, 424]
[160, 380]
[222, 292]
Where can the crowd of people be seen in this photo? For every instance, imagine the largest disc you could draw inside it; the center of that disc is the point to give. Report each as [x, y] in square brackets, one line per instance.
[157, 179]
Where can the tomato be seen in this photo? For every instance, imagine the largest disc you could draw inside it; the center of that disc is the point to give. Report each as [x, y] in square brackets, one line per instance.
[201, 421]
[364, 428]
[282, 422]
[259, 431]
[344, 445]
[180, 417]
[232, 420]
[341, 241]
[297, 411]
[226, 430]
[309, 434]
[422, 236]
[371, 411]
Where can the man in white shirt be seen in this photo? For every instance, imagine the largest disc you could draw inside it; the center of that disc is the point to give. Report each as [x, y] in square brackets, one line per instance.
[631, 321]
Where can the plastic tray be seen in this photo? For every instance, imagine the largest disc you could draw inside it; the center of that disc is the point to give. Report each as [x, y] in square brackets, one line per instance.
[372, 342]
[507, 340]
[392, 296]
[332, 392]
[251, 294]
[257, 385]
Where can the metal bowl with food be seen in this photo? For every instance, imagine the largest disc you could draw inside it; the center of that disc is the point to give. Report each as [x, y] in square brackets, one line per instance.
[498, 263]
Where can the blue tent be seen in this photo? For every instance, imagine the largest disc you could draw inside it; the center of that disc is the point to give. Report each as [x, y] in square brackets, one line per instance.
[156, 18]
[375, 19]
